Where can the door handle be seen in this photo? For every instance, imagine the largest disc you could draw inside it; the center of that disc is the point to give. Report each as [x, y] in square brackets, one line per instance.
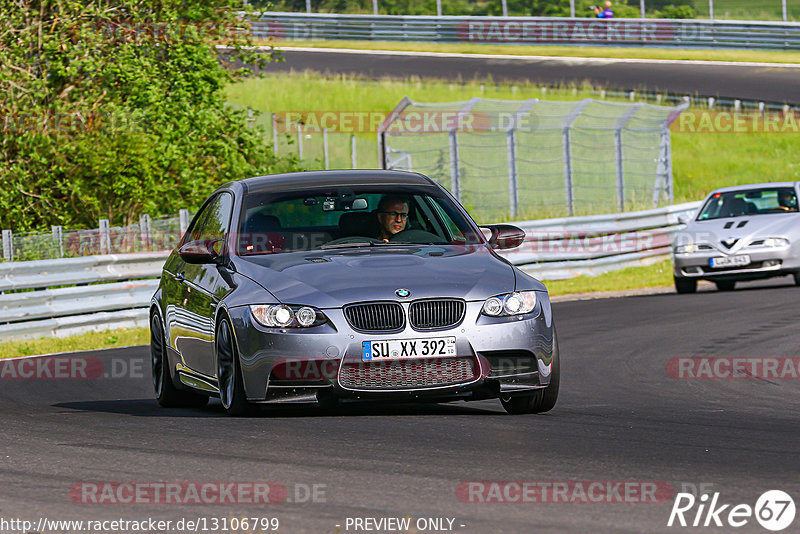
[180, 277]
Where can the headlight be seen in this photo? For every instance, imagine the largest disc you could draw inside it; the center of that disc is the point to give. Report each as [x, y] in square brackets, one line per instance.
[283, 316]
[686, 249]
[776, 242]
[515, 303]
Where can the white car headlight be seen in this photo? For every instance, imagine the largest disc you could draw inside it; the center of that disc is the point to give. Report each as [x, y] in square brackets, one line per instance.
[776, 242]
[283, 316]
[516, 303]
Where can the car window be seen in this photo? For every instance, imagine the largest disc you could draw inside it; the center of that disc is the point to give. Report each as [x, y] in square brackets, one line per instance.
[311, 220]
[212, 222]
[749, 202]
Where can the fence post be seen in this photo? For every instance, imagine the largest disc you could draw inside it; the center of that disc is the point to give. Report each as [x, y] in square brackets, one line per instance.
[183, 219]
[105, 237]
[566, 143]
[505, 7]
[58, 239]
[325, 159]
[439, 8]
[572, 8]
[618, 160]
[144, 229]
[250, 119]
[8, 245]
[353, 158]
[642, 8]
[274, 134]
[513, 193]
[455, 178]
[300, 141]
[711, 9]
[785, 11]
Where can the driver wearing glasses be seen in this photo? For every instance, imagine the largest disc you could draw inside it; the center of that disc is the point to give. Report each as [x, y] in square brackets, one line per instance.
[392, 215]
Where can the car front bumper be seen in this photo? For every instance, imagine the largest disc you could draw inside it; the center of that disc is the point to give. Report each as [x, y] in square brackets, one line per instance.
[764, 263]
[494, 356]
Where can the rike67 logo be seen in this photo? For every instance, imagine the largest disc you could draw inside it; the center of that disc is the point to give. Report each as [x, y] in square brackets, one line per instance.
[774, 510]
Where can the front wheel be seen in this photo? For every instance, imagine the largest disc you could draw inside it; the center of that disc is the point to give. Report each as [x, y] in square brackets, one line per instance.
[541, 400]
[725, 285]
[167, 394]
[685, 285]
[229, 373]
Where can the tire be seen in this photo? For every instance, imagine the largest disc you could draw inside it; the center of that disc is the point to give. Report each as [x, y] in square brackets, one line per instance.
[797, 279]
[229, 373]
[685, 285]
[167, 395]
[725, 285]
[541, 400]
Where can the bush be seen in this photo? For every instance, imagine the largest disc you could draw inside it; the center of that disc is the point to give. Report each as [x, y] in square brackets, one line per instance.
[676, 12]
[112, 109]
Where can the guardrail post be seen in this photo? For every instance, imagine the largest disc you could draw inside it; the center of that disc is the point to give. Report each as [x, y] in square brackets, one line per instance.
[250, 119]
[58, 239]
[353, 159]
[105, 237]
[183, 219]
[325, 159]
[8, 245]
[144, 229]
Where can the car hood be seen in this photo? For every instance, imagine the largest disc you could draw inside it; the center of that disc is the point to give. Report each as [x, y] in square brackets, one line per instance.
[755, 227]
[332, 278]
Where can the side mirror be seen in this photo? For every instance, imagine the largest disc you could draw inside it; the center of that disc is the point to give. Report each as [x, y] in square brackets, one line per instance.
[200, 251]
[505, 236]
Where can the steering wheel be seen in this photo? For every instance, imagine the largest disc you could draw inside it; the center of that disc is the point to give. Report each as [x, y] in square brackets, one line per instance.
[413, 235]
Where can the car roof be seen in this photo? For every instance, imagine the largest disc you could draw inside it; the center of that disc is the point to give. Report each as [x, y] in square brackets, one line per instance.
[314, 179]
[753, 186]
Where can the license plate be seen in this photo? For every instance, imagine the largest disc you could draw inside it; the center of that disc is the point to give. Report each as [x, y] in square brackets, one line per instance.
[395, 349]
[730, 261]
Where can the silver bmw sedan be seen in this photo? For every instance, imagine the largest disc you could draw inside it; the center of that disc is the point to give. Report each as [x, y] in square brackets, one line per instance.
[338, 286]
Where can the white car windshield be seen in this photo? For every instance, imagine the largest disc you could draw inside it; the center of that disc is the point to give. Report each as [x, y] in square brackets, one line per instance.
[749, 202]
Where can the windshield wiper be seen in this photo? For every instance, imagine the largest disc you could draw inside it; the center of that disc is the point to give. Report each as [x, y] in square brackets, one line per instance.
[348, 245]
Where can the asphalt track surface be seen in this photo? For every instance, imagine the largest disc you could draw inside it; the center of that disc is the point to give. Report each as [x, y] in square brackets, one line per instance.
[619, 418]
[746, 82]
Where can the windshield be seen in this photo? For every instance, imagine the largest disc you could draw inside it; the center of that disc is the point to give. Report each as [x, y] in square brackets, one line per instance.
[749, 202]
[367, 216]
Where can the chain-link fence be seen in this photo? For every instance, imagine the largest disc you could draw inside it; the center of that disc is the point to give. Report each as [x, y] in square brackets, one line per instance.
[535, 159]
[150, 234]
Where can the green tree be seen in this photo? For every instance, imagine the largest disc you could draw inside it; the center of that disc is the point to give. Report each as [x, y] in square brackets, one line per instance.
[112, 109]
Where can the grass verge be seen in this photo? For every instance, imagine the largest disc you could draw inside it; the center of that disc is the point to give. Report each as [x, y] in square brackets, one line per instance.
[760, 56]
[656, 275]
[89, 341]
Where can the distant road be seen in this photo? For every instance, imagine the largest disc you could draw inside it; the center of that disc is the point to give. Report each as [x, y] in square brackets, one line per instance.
[748, 81]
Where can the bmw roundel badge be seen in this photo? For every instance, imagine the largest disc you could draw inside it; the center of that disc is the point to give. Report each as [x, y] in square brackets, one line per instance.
[402, 293]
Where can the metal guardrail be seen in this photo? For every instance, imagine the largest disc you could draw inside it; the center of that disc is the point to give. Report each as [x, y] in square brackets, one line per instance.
[573, 246]
[659, 33]
[553, 249]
